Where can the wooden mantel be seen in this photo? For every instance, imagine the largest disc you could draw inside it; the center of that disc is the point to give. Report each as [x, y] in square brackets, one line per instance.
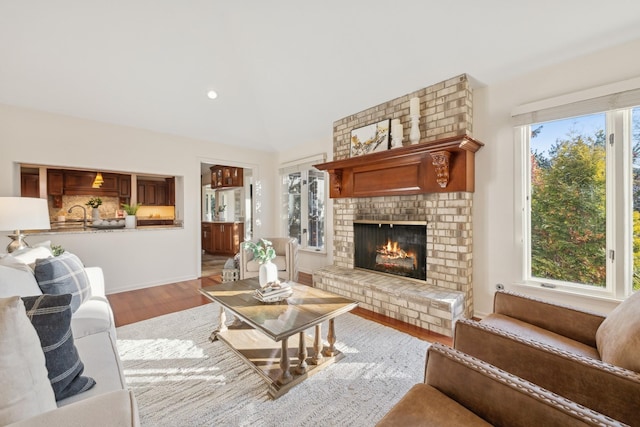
[440, 166]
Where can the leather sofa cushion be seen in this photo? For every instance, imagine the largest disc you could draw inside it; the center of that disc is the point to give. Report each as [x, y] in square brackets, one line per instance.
[423, 405]
[618, 337]
[535, 333]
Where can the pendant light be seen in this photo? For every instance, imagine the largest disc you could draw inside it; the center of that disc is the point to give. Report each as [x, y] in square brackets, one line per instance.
[97, 183]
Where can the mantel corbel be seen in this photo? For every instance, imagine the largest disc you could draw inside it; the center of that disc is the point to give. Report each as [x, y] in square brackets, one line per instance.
[441, 164]
[335, 178]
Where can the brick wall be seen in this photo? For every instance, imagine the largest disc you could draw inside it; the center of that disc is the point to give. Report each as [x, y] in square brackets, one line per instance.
[446, 110]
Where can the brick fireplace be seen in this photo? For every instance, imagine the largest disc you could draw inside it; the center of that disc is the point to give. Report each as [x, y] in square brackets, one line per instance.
[447, 293]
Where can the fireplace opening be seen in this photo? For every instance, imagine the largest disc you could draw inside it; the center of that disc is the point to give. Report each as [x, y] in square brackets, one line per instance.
[397, 247]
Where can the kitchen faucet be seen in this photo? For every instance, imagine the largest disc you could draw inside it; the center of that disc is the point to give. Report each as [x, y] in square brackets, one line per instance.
[84, 211]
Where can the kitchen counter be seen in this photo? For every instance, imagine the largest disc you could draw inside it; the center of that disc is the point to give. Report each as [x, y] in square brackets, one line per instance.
[90, 230]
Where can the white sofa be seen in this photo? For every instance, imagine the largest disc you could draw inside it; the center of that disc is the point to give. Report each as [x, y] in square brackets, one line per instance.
[93, 329]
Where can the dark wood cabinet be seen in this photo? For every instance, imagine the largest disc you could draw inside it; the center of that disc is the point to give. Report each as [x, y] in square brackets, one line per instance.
[226, 177]
[55, 182]
[222, 238]
[29, 184]
[171, 191]
[207, 240]
[80, 183]
[124, 187]
[156, 193]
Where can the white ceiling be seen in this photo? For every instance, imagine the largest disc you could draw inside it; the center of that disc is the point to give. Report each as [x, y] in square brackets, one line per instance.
[285, 70]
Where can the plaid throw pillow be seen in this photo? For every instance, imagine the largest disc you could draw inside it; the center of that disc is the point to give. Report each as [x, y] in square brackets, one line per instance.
[51, 317]
[63, 274]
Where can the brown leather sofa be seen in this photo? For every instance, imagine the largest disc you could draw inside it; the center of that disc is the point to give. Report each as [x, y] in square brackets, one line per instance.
[460, 390]
[591, 359]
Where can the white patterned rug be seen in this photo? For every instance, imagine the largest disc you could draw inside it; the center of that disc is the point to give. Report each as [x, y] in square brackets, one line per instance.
[180, 378]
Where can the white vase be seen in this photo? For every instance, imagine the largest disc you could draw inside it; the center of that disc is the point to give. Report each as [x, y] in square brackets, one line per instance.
[130, 221]
[268, 273]
[95, 214]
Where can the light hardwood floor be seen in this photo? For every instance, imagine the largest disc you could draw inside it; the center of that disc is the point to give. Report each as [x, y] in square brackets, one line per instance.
[142, 304]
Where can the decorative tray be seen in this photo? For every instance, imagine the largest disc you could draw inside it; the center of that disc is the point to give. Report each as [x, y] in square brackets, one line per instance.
[108, 224]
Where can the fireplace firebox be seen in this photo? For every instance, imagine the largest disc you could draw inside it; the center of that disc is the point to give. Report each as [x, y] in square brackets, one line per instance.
[396, 247]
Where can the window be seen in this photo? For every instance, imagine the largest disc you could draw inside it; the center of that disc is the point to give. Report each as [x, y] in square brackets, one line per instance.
[304, 204]
[580, 200]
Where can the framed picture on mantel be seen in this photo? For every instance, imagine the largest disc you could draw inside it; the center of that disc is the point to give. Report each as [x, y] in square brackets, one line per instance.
[371, 138]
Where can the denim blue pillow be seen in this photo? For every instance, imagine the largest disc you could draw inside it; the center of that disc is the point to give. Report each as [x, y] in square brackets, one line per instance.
[51, 317]
[63, 274]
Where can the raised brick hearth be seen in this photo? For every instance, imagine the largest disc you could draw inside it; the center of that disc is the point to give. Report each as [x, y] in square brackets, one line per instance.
[447, 293]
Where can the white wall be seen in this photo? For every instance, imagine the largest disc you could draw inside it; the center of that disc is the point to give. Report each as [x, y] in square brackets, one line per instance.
[496, 253]
[308, 261]
[130, 259]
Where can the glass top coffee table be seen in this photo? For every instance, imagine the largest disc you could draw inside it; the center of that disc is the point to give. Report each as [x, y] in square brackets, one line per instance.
[265, 336]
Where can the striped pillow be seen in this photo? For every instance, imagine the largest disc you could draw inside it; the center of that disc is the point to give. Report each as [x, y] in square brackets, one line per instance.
[63, 274]
[50, 315]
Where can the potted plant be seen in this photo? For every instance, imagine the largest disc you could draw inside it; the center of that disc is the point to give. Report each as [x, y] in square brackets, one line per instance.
[94, 203]
[263, 252]
[130, 217]
[220, 211]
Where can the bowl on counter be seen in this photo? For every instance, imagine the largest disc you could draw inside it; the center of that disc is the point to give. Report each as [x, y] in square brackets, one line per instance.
[108, 224]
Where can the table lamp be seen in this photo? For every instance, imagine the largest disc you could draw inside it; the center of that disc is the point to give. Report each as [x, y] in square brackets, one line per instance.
[22, 213]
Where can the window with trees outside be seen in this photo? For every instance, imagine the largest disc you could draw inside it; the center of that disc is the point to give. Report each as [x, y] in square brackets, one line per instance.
[304, 198]
[581, 202]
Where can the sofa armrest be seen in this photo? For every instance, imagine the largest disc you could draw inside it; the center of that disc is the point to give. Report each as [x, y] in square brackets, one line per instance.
[605, 388]
[579, 325]
[500, 397]
[96, 279]
[118, 409]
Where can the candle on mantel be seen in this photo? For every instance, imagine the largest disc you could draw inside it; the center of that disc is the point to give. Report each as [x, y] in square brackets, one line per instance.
[414, 106]
[396, 133]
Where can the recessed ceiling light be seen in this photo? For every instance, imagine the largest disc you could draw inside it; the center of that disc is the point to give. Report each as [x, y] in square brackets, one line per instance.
[212, 94]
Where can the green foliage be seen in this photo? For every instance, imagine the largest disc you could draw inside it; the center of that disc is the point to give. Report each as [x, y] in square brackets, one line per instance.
[94, 202]
[131, 209]
[57, 250]
[262, 251]
[568, 212]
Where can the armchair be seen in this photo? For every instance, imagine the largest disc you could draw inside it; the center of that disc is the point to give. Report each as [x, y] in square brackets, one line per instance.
[462, 390]
[585, 357]
[286, 259]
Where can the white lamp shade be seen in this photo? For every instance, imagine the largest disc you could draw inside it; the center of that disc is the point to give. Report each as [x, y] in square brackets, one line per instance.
[23, 213]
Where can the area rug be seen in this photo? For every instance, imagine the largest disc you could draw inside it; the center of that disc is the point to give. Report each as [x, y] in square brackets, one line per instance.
[180, 378]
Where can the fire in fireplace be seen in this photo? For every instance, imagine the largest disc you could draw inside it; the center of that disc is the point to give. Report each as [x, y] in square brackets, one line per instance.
[398, 247]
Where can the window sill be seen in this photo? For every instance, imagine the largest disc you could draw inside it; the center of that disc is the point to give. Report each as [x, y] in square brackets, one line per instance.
[568, 296]
[313, 251]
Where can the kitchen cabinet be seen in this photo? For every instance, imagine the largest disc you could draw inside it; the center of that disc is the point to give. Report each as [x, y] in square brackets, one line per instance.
[124, 187]
[80, 183]
[226, 177]
[207, 240]
[55, 187]
[171, 191]
[156, 193]
[55, 182]
[29, 184]
[222, 238]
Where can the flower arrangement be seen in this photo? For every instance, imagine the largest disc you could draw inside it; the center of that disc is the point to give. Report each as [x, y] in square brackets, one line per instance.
[262, 251]
[131, 209]
[94, 202]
